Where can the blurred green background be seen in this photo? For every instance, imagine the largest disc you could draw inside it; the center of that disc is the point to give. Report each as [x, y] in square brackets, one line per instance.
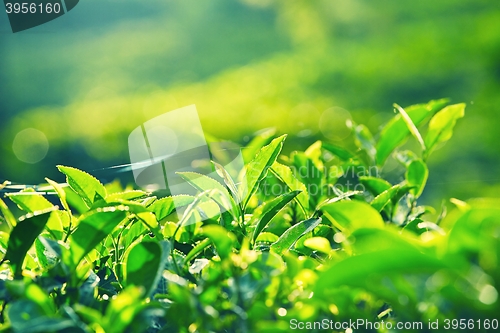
[83, 82]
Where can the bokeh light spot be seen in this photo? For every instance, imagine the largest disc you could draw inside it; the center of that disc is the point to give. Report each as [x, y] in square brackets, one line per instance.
[30, 145]
[332, 123]
[488, 295]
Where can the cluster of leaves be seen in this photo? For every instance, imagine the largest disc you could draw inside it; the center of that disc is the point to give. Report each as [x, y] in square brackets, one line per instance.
[282, 241]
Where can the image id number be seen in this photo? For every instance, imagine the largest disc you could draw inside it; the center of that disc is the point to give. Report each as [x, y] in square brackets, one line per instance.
[33, 8]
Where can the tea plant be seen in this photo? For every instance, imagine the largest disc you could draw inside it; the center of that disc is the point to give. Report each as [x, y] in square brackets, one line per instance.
[293, 239]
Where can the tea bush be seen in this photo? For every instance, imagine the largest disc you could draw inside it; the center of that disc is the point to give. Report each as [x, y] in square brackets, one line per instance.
[315, 237]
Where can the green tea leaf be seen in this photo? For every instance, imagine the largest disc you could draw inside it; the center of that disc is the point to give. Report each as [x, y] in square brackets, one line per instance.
[30, 202]
[168, 229]
[340, 152]
[58, 221]
[25, 316]
[355, 271]
[128, 195]
[381, 200]
[364, 139]
[92, 229]
[33, 293]
[261, 139]
[75, 201]
[7, 214]
[405, 157]
[60, 193]
[320, 244]
[133, 206]
[442, 124]
[222, 239]
[351, 215]
[375, 185]
[257, 169]
[340, 197]
[416, 176]
[411, 126]
[292, 234]
[472, 228]
[166, 206]
[122, 310]
[265, 213]
[143, 265]
[267, 238]
[310, 175]
[191, 211]
[367, 240]
[204, 183]
[48, 251]
[85, 185]
[396, 131]
[23, 236]
[315, 153]
[285, 175]
[418, 226]
[228, 180]
[197, 249]
[150, 221]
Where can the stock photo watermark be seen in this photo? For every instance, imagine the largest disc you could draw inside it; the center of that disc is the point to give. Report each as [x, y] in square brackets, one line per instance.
[27, 14]
[174, 142]
[363, 325]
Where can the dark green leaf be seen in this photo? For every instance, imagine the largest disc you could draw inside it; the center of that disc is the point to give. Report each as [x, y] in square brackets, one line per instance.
[144, 265]
[23, 235]
[25, 316]
[9, 218]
